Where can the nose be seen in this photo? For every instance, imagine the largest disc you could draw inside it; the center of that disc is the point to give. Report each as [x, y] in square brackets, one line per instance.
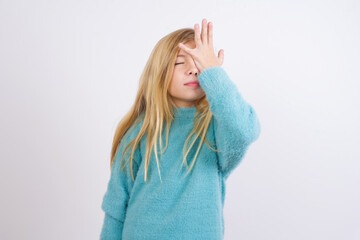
[193, 69]
[194, 72]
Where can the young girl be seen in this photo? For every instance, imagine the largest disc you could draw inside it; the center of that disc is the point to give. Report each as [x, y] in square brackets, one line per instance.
[157, 195]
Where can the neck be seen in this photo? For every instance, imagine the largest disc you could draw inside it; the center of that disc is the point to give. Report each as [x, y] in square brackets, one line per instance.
[184, 112]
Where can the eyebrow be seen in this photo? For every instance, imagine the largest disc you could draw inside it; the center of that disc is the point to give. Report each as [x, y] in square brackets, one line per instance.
[180, 55]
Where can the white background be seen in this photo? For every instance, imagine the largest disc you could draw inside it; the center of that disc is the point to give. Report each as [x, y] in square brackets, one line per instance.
[69, 71]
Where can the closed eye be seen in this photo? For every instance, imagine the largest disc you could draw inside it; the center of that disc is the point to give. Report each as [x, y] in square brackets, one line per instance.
[178, 63]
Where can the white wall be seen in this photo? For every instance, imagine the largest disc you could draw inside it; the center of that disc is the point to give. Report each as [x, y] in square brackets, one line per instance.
[69, 71]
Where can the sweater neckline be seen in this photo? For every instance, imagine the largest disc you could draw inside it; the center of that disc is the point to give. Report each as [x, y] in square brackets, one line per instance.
[184, 112]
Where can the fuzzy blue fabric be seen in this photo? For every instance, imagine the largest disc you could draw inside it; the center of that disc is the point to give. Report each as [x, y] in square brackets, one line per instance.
[178, 206]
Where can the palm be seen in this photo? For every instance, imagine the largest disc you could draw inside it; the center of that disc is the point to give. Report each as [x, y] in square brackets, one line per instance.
[203, 54]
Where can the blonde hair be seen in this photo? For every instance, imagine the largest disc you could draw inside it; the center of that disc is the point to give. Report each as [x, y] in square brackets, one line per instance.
[154, 106]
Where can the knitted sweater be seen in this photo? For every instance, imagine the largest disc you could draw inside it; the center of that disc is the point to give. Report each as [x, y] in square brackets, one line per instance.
[178, 207]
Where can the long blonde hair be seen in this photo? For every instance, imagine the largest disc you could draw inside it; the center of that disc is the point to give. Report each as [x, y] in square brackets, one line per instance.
[154, 106]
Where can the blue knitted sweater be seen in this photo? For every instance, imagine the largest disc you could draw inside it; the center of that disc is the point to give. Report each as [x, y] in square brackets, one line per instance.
[177, 207]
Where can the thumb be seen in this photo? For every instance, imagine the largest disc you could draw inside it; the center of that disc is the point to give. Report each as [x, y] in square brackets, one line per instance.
[221, 56]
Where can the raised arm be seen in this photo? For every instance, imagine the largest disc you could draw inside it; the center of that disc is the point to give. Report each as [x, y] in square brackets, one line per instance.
[236, 125]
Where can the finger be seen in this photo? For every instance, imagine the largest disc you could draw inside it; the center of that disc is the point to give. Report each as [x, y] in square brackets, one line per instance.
[197, 35]
[185, 48]
[221, 56]
[210, 33]
[204, 31]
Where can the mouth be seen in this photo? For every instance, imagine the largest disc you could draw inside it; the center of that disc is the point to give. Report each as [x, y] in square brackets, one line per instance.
[192, 84]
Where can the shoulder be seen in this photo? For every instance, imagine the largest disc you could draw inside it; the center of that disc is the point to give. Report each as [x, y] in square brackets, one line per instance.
[132, 132]
[129, 135]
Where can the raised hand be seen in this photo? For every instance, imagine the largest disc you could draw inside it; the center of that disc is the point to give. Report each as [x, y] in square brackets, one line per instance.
[203, 54]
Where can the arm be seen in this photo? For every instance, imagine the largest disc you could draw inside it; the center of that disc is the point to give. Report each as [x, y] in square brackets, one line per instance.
[118, 190]
[236, 125]
[112, 228]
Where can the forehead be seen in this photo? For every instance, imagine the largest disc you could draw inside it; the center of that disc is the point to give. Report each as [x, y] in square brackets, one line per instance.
[182, 53]
[190, 44]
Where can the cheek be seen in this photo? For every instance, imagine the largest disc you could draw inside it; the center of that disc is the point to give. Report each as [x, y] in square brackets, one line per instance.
[172, 87]
[175, 83]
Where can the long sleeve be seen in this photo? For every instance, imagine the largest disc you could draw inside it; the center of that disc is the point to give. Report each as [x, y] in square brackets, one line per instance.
[236, 124]
[112, 228]
[118, 191]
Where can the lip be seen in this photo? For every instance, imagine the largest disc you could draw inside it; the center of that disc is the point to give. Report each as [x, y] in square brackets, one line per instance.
[192, 84]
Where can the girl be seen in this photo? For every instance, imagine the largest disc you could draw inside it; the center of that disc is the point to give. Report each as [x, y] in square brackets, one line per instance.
[207, 121]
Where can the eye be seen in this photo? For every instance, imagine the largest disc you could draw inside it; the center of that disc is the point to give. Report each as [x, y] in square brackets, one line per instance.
[178, 63]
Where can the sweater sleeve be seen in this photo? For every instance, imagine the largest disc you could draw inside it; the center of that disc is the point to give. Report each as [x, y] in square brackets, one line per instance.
[112, 228]
[236, 124]
[118, 191]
